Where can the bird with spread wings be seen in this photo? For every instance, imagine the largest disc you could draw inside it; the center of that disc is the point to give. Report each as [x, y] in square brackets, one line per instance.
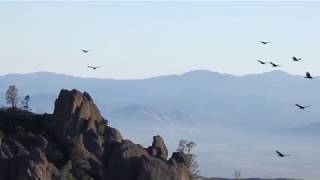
[274, 65]
[281, 155]
[302, 107]
[296, 59]
[85, 50]
[261, 62]
[265, 42]
[94, 67]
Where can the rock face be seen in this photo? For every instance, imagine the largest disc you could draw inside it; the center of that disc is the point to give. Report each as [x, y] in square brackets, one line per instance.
[158, 148]
[75, 112]
[18, 163]
[113, 134]
[78, 144]
[131, 161]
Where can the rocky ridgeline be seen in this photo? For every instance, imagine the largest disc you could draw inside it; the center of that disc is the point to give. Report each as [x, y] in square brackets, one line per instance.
[76, 143]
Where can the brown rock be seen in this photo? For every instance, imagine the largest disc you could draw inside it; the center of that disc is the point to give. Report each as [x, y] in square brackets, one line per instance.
[74, 113]
[130, 161]
[33, 166]
[36, 166]
[79, 135]
[156, 169]
[112, 134]
[158, 148]
[93, 142]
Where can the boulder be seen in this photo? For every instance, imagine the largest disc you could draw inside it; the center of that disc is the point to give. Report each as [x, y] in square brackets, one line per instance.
[158, 148]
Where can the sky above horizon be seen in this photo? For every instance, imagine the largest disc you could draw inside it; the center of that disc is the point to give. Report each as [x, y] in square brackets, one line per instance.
[145, 39]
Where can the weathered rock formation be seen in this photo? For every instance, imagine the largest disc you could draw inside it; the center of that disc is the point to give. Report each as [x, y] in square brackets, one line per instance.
[76, 143]
[158, 148]
[74, 113]
[18, 163]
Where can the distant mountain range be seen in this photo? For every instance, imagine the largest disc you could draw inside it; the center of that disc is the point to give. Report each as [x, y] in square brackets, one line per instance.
[135, 118]
[260, 100]
[145, 115]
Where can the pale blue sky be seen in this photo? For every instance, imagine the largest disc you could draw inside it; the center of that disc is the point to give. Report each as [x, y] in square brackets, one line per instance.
[144, 39]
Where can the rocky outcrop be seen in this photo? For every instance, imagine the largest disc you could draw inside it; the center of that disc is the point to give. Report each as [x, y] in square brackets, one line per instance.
[158, 148]
[112, 134]
[33, 166]
[17, 163]
[75, 112]
[78, 144]
[132, 161]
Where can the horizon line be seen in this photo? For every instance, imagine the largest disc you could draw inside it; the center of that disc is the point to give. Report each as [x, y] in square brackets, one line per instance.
[156, 76]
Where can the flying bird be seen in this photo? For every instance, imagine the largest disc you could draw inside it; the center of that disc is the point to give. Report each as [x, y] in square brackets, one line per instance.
[302, 107]
[261, 62]
[94, 67]
[281, 155]
[274, 65]
[296, 59]
[264, 42]
[85, 50]
[308, 75]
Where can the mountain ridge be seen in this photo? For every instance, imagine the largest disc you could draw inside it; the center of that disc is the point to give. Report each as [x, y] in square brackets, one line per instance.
[191, 72]
[184, 92]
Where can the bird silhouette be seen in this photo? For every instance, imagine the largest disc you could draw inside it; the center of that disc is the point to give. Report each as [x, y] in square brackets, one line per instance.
[274, 65]
[308, 75]
[261, 62]
[94, 67]
[265, 42]
[296, 59]
[85, 50]
[281, 155]
[302, 107]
